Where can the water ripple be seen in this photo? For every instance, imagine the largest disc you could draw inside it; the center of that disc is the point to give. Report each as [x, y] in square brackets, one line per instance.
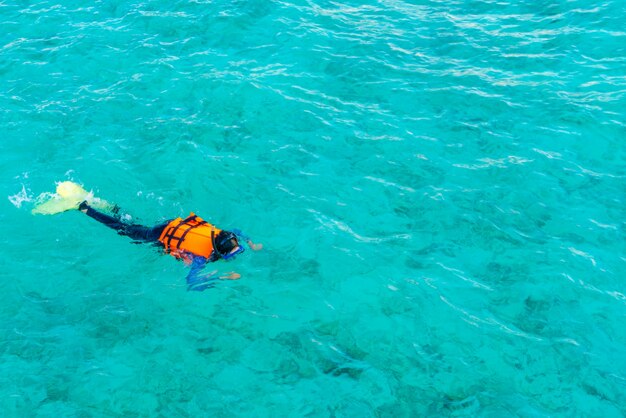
[439, 187]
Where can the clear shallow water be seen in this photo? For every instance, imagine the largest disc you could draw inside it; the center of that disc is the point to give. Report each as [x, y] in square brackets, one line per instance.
[439, 188]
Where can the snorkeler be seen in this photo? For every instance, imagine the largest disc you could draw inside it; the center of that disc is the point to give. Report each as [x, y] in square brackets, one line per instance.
[193, 240]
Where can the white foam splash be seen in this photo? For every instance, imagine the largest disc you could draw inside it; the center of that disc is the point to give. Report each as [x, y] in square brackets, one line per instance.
[20, 197]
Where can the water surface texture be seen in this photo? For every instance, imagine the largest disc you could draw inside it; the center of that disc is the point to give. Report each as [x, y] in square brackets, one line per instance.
[439, 187]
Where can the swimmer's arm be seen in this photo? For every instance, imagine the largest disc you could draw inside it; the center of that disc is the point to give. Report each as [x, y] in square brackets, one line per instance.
[196, 281]
[248, 240]
[199, 282]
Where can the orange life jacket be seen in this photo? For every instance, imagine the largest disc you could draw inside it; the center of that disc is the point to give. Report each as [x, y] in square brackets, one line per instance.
[192, 234]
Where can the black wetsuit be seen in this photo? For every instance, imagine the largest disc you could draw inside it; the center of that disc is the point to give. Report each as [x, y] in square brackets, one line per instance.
[133, 231]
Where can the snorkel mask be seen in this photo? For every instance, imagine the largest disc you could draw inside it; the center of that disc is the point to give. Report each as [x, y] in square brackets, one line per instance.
[223, 242]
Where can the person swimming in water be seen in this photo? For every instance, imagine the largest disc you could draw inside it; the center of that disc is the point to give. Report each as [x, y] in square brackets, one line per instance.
[192, 240]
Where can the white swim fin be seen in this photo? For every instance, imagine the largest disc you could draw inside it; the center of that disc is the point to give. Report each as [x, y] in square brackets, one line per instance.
[67, 197]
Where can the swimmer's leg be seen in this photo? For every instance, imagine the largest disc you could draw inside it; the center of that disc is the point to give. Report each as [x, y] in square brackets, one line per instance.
[133, 231]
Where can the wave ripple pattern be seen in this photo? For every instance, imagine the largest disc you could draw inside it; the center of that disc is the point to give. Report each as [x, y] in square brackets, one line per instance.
[439, 187]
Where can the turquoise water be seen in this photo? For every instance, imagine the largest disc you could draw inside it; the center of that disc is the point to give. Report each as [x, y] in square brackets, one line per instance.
[439, 187]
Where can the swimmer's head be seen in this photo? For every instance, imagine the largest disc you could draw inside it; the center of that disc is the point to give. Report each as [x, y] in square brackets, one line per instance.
[227, 245]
